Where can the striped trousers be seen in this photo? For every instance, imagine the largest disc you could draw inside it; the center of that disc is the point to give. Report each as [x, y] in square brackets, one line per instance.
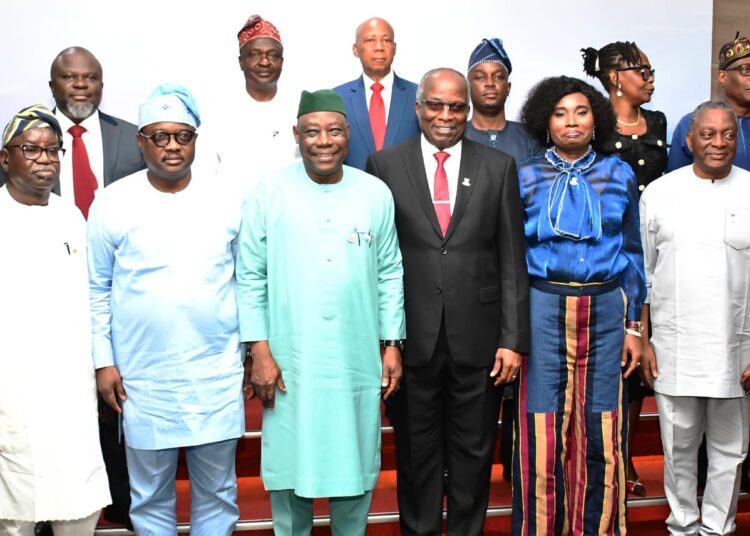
[568, 469]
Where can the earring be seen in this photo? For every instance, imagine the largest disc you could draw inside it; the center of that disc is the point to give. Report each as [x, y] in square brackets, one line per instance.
[593, 135]
[548, 137]
[619, 92]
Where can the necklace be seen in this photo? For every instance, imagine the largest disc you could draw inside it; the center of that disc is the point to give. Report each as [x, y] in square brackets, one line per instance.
[638, 120]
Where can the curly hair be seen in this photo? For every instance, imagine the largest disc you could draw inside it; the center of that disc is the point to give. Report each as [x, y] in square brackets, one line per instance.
[598, 63]
[544, 96]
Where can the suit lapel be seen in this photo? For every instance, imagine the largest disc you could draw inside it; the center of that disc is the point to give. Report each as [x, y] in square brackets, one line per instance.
[398, 110]
[415, 169]
[361, 119]
[468, 176]
[110, 145]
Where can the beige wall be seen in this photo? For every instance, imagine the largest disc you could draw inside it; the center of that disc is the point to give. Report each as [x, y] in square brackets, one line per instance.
[729, 17]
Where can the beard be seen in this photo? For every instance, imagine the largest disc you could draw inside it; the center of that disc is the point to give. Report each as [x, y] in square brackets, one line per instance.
[79, 111]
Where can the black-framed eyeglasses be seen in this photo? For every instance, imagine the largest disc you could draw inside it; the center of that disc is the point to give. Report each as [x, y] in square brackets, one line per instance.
[743, 69]
[438, 106]
[162, 139]
[645, 70]
[33, 152]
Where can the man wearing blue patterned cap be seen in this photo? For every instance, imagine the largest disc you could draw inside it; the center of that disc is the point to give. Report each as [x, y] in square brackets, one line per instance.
[489, 76]
[166, 340]
[43, 284]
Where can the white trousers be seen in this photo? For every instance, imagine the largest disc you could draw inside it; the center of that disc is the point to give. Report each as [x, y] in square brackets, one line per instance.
[726, 423]
[76, 527]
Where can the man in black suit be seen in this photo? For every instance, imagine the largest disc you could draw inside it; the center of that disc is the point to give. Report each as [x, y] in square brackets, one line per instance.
[467, 311]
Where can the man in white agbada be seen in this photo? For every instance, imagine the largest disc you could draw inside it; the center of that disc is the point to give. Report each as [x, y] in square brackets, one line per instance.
[320, 290]
[51, 466]
[695, 229]
[166, 339]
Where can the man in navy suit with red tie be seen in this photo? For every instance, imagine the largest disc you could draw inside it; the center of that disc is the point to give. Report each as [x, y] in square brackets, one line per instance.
[379, 104]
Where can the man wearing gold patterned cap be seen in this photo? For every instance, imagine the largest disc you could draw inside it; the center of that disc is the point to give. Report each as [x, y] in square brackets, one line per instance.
[320, 294]
[47, 387]
[734, 78]
[260, 115]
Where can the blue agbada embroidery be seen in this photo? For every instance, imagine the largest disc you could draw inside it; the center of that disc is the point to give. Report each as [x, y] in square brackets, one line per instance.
[573, 209]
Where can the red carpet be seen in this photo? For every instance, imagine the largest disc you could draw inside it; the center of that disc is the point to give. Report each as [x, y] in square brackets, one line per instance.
[254, 504]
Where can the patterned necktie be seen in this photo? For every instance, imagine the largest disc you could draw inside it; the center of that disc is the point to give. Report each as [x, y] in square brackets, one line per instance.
[84, 181]
[377, 115]
[441, 197]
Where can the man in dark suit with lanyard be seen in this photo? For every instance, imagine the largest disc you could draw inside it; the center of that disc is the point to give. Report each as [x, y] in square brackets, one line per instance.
[467, 310]
[378, 103]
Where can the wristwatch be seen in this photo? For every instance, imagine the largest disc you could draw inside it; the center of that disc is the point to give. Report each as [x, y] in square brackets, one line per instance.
[633, 327]
[398, 343]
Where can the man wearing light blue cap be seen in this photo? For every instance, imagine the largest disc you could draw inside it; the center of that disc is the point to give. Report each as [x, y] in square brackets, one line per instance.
[489, 75]
[166, 339]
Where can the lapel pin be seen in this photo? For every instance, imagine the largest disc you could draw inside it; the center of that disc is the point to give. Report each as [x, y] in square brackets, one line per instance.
[466, 182]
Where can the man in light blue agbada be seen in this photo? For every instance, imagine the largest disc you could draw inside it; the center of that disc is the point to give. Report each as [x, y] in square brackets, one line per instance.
[320, 293]
[166, 340]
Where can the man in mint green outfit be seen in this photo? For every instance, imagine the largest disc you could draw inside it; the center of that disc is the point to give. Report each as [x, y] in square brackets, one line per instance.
[320, 294]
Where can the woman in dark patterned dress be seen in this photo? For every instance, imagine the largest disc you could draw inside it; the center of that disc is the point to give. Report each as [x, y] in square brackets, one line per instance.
[640, 140]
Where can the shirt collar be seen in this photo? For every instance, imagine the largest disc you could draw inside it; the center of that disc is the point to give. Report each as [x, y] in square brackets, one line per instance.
[91, 123]
[428, 148]
[387, 81]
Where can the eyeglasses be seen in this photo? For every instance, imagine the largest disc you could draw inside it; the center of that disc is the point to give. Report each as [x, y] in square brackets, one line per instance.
[162, 139]
[438, 106]
[645, 70]
[33, 152]
[744, 69]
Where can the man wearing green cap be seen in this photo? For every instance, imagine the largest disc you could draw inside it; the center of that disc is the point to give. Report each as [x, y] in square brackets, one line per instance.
[320, 293]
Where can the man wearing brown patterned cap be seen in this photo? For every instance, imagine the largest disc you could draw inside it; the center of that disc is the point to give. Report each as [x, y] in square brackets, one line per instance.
[261, 115]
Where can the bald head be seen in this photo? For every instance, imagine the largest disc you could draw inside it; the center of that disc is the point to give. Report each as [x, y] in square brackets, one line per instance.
[373, 24]
[375, 46]
[76, 83]
[66, 55]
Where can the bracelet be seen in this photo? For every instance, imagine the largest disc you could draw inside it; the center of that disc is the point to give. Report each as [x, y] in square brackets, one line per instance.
[633, 332]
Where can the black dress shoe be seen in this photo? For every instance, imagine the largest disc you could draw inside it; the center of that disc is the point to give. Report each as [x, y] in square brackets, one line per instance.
[118, 514]
[43, 528]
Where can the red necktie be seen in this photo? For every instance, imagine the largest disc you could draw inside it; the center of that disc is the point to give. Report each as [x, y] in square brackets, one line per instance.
[377, 115]
[441, 197]
[84, 181]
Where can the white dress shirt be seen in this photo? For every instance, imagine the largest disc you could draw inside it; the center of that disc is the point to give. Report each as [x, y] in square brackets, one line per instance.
[452, 167]
[696, 244]
[386, 92]
[92, 139]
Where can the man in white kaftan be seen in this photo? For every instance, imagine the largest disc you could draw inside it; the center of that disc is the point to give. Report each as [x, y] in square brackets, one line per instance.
[259, 114]
[51, 466]
[166, 339]
[320, 293]
[695, 228]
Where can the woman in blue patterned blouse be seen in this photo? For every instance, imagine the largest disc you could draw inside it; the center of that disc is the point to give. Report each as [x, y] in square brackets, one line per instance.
[585, 263]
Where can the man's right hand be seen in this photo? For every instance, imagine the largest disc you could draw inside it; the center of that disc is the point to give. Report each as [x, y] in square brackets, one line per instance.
[109, 384]
[648, 371]
[265, 375]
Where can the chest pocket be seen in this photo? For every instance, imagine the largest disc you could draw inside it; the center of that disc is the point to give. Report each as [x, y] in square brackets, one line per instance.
[737, 228]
